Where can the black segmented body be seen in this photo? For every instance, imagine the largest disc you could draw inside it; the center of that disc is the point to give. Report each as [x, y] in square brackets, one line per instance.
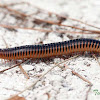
[52, 49]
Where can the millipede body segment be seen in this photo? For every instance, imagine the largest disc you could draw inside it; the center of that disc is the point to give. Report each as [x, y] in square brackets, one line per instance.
[52, 49]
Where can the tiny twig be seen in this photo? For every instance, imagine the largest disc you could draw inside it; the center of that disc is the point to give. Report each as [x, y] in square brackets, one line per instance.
[14, 11]
[17, 98]
[17, 3]
[48, 95]
[41, 30]
[14, 65]
[83, 22]
[75, 73]
[87, 93]
[57, 23]
[96, 59]
[5, 42]
[24, 72]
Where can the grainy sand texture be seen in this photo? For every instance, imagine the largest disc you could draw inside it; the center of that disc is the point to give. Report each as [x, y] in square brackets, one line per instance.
[59, 83]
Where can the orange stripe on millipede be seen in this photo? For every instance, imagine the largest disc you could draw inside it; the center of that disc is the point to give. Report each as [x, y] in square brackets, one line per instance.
[54, 49]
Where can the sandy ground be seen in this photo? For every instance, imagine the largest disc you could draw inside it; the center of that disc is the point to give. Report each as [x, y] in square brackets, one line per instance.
[58, 84]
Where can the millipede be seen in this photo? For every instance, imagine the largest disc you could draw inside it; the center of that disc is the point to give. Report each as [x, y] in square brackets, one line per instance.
[52, 49]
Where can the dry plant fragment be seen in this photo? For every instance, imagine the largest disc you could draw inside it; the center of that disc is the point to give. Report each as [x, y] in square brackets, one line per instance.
[5, 42]
[42, 30]
[57, 23]
[16, 98]
[48, 95]
[96, 59]
[14, 11]
[81, 77]
[17, 3]
[87, 93]
[14, 66]
[24, 72]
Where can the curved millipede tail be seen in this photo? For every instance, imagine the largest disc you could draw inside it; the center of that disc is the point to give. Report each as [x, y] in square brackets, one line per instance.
[52, 49]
